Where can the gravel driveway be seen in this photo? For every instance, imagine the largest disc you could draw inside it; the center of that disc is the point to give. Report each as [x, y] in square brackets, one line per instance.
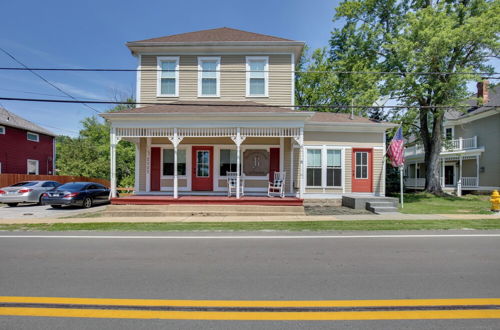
[42, 211]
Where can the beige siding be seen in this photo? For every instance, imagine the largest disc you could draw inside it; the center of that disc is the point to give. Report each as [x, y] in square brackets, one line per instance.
[487, 131]
[378, 173]
[232, 84]
[469, 168]
[170, 183]
[348, 170]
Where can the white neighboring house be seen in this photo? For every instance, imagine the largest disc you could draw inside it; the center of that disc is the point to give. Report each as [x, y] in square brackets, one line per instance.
[470, 159]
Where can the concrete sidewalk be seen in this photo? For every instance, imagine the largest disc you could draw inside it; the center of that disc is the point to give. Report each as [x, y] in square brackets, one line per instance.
[391, 216]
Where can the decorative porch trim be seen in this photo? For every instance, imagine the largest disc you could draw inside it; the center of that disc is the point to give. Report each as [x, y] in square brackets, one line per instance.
[293, 132]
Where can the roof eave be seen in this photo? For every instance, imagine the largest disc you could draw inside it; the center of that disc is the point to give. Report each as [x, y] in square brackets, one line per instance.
[122, 115]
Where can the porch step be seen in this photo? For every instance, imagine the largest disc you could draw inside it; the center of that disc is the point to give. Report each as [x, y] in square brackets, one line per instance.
[373, 204]
[181, 210]
[381, 207]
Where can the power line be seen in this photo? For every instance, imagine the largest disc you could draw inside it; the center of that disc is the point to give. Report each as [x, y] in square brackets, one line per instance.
[484, 74]
[36, 93]
[250, 105]
[45, 80]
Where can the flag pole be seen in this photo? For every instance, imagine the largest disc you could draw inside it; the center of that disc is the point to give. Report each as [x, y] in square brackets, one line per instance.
[401, 184]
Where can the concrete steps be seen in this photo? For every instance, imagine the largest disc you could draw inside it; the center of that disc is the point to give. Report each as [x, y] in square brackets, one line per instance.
[180, 210]
[381, 207]
[373, 204]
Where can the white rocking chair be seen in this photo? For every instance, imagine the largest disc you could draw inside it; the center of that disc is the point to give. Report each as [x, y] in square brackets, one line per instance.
[231, 184]
[277, 186]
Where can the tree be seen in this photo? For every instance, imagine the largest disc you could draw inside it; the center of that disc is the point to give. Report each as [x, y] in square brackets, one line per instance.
[446, 37]
[88, 154]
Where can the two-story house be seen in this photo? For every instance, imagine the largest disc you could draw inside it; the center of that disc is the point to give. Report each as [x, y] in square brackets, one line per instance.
[25, 148]
[470, 159]
[222, 100]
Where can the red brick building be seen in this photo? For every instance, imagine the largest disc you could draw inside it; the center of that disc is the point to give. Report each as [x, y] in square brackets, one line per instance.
[25, 148]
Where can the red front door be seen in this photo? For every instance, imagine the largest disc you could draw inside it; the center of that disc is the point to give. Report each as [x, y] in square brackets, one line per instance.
[202, 169]
[274, 162]
[362, 170]
[155, 169]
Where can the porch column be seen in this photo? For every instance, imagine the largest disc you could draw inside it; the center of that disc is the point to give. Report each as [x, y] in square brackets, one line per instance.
[112, 158]
[300, 141]
[238, 140]
[459, 183]
[477, 170]
[175, 141]
[442, 173]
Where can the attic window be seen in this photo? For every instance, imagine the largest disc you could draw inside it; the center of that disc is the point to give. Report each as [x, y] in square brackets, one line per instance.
[33, 137]
[2, 130]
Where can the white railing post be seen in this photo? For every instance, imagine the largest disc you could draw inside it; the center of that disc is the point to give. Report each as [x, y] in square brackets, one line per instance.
[475, 141]
[176, 140]
[238, 140]
[113, 162]
[460, 143]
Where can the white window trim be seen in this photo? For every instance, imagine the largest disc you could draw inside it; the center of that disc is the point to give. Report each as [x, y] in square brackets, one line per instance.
[2, 129]
[37, 166]
[266, 75]
[36, 134]
[324, 166]
[217, 74]
[452, 131]
[159, 60]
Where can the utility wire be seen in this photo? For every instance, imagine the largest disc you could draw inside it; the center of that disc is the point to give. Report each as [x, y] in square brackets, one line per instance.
[45, 80]
[484, 74]
[251, 105]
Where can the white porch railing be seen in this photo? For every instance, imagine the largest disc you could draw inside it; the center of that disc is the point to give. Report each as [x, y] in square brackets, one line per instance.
[469, 181]
[449, 145]
[415, 182]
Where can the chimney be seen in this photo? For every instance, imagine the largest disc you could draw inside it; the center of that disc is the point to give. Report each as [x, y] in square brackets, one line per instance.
[482, 91]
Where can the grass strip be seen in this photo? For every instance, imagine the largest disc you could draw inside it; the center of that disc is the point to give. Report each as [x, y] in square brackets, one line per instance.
[256, 226]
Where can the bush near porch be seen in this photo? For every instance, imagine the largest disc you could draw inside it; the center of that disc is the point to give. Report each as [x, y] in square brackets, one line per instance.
[424, 203]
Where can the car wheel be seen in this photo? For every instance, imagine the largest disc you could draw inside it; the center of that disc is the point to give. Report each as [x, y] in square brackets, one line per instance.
[12, 204]
[87, 202]
[56, 206]
[40, 200]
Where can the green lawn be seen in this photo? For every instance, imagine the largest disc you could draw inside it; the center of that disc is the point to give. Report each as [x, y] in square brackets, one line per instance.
[423, 203]
[253, 226]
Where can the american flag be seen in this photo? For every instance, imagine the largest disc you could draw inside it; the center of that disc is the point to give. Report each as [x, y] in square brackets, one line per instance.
[396, 149]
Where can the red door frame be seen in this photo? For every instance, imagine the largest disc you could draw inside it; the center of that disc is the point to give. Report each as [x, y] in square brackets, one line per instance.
[362, 185]
[155, 169]
[274, 162]
[204, 183]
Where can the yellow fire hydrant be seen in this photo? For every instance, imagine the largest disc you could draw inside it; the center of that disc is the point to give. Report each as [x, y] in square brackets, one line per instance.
[495, 201]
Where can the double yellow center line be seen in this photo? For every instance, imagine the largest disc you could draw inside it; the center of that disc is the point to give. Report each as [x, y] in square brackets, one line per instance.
[487, 308]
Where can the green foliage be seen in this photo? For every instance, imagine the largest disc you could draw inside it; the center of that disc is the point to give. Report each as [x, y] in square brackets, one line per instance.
[88, 154]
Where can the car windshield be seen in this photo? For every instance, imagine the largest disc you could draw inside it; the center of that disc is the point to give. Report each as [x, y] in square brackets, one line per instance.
[24, 184]
[72, 186]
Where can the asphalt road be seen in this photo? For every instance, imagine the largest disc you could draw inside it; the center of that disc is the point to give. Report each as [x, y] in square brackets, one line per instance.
[42, 211]
[250, 268]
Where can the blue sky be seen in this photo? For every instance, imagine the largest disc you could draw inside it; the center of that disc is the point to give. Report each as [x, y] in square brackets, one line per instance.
[92, 34]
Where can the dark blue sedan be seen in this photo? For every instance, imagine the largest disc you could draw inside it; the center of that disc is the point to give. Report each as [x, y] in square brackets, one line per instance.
[83, 194]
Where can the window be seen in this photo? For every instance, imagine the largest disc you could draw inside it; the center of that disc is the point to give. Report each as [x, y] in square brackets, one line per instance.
[2, 130]
[32, 166]
[257, 76]
[449, 133]
[203, 163]
[168, 76]
[32, 137]
[361, 165]
[227, 161]
[314, 168]
[208, 76]
[333, 168]
[168, 162]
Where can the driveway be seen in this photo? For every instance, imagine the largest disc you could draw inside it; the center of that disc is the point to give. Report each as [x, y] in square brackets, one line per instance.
[42, 211]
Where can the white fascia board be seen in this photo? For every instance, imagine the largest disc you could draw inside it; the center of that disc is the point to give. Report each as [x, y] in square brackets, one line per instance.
[204, 124]
[348, 127]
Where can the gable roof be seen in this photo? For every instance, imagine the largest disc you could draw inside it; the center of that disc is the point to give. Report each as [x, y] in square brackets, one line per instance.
[494, 101]
[223, 34]
[8, 118]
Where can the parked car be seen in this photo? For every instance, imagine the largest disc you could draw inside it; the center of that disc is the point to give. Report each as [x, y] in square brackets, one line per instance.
[26, 192]
[83, 194]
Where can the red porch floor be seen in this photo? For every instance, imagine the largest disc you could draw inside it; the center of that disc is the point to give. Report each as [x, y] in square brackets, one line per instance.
[221, 200]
